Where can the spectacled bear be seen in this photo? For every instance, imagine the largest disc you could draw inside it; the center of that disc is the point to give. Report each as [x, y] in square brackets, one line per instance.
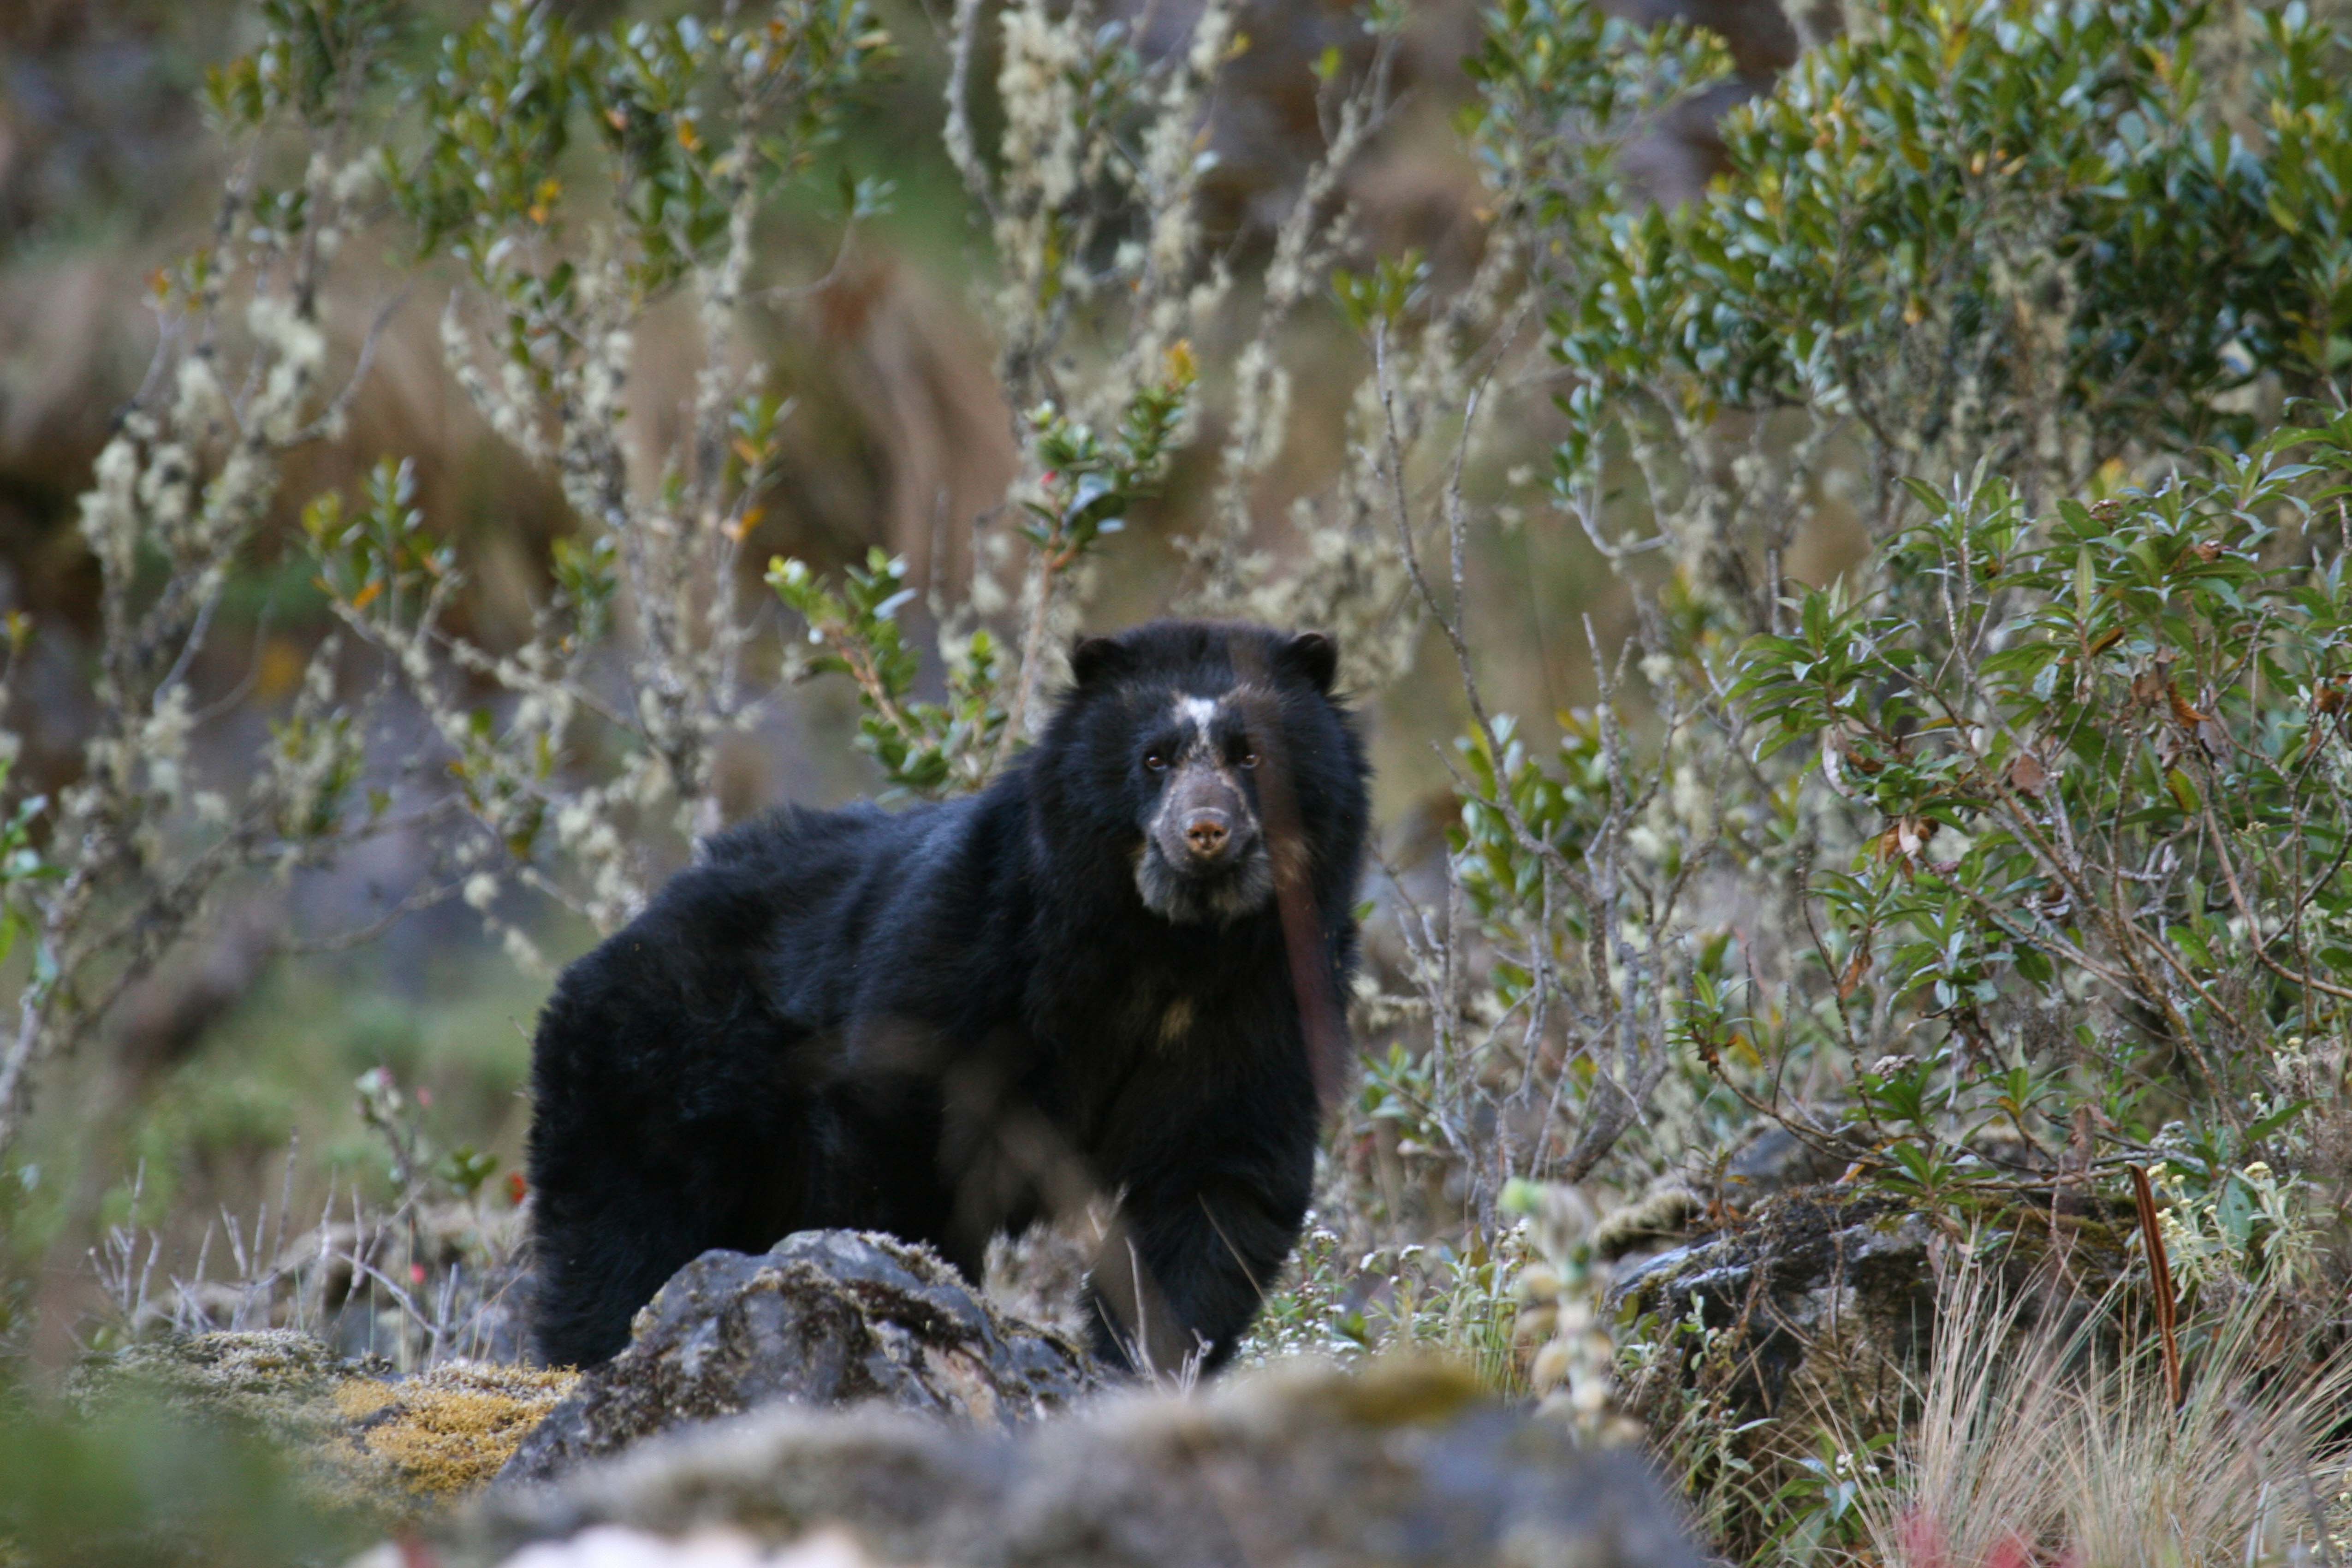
[1118, 970]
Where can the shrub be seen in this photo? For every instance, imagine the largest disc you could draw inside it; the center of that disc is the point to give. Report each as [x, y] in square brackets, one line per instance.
[2016, 846]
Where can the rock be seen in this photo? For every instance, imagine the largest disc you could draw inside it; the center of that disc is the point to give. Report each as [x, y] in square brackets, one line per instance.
[617, 1546]
[1819, 1292]
[1819, 1302]
[1661, 1214]
[828, 1318]
[1407, 1462]
[278, 1382]
[1772, 1158]
[359, 1434]
[1706, 1195]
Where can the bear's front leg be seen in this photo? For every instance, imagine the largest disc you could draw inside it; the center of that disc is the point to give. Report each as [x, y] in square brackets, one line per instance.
[1185, 1269]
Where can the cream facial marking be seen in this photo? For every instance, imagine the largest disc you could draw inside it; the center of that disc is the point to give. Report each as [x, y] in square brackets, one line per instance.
[1199, 712]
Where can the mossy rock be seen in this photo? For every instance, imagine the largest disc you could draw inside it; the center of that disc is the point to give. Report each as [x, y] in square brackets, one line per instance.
[446, 1431]
[1819, 1305]
[824, 1318]
[362, 1435]
[278, 1382]
[1407, 1462]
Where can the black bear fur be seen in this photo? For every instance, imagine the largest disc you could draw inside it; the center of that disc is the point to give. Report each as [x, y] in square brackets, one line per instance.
[945, 1021]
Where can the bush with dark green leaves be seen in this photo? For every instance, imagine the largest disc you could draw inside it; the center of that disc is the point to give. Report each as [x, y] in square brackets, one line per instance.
[2043, 308]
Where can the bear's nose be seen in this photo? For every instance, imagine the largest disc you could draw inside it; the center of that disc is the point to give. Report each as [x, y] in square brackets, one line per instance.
[1206, 833]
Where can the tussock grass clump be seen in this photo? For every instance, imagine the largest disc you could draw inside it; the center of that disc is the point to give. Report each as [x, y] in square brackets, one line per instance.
[2055, 1444]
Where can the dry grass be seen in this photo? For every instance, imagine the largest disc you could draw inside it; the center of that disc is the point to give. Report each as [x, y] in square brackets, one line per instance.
[2058, 1447]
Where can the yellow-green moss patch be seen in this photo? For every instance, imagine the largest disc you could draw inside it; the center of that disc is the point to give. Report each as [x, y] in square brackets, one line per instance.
[448, 1431]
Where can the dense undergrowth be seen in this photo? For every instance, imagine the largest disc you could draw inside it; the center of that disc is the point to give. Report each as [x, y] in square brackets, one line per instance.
[1957, 797]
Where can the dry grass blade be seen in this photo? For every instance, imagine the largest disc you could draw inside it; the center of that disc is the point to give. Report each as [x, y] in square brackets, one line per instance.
[2160, 1281]
[2044, 1438]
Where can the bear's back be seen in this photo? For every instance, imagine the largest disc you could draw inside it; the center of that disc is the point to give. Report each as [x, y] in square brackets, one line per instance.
[865, 912]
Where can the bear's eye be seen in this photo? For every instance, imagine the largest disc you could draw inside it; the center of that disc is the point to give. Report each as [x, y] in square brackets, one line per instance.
[1155, 761]
[1249, 759]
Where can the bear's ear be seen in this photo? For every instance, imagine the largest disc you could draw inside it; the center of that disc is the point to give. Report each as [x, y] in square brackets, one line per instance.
[1098, 658]
[1312, 656]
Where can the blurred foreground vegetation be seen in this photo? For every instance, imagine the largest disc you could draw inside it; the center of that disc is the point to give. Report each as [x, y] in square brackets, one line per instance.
[1841, 528]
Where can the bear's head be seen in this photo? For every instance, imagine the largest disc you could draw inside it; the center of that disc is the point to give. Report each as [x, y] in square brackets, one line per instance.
[1192, 758]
